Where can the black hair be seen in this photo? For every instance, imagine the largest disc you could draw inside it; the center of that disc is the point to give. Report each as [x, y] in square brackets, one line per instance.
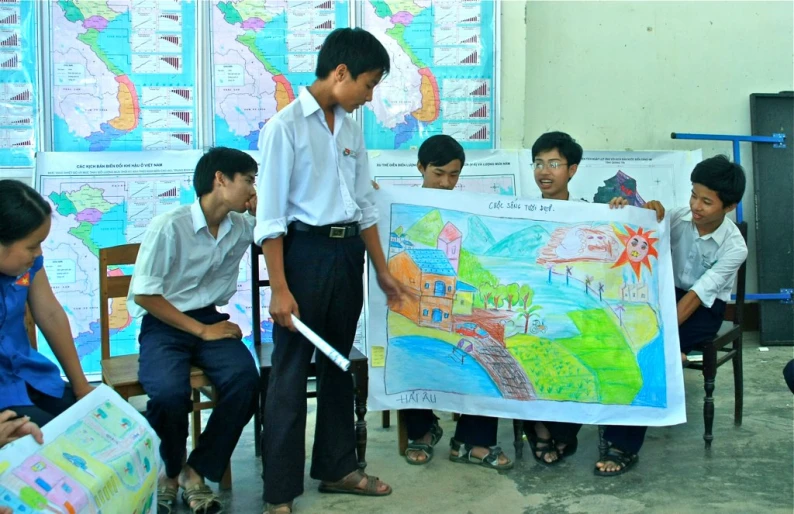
[440, 150]
[22, 211]
[357, 49]
[228, 161]
[562, 142]
[722, 176]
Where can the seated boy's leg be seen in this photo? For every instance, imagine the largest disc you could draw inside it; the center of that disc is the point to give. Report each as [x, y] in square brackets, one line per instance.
[701, 326]
[479, 433]
[231, 369]
[625, 443]
[564, 436]
[164, 373]
[423, 433]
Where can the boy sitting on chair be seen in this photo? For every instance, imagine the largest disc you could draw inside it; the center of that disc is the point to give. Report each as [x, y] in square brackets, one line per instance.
[707, 249]
[186, 267]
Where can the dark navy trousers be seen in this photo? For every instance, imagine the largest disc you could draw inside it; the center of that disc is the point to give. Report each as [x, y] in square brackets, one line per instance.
[166, 355]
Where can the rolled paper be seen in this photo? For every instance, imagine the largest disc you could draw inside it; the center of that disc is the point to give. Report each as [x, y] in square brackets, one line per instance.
[321, 345]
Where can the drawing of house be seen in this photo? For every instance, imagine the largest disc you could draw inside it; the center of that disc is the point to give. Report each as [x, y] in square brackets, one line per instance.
[634, 293]
[449, 242]
[431, 281]
[464, 298]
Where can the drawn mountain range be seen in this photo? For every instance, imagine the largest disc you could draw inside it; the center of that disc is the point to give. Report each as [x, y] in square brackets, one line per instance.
[524, 243]
[478, 239]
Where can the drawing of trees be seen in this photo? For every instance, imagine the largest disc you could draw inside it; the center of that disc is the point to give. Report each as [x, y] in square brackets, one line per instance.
[525, 296]
[512, 296]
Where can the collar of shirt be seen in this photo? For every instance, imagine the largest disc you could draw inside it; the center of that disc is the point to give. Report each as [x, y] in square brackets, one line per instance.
[200, 221]
[718, 235]
[309, 106]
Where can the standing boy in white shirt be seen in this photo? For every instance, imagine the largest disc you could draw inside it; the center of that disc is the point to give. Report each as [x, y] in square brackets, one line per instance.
[314, 221]
[707, 250]
[187, 265]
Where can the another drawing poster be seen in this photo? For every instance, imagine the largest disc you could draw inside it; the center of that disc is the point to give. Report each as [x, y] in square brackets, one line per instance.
[99, 456]
[528, 309]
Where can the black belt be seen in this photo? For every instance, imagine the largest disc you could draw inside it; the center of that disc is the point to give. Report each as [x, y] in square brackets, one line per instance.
[337, 231]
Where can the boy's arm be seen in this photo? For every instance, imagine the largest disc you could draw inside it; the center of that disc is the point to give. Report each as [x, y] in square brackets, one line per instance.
[722, 273]
[275, 172]
[395, 291]
[364, 189]
[686, 306]
[51, 319]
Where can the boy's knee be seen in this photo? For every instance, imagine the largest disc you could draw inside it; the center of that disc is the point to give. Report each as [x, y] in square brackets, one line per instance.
[171, 401]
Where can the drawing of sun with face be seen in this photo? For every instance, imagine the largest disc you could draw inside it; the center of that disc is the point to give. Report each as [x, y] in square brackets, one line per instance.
[639, 249]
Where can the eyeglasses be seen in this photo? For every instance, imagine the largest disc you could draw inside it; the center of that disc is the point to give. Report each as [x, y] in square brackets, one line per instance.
[553, 165]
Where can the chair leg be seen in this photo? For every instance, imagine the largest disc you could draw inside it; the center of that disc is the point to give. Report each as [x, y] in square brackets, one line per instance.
[709, 374]
[386, 419]
[518, 437]
[361, 383]
[402, 433]
[738, 382]
[195, 420]
[603, 445]
[226, 480]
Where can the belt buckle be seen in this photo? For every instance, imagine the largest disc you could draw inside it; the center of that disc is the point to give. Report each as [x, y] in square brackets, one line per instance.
[338, 232]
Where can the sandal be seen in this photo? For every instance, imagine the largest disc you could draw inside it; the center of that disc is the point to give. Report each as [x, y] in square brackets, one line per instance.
[349, 485]
[569, 449]
[436, 432]
[624, 460]
[204, 500]
[548, 448]
[166, 498]
[465, 456]
[278, 508]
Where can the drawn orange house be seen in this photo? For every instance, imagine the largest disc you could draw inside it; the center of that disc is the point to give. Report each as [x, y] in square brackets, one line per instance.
[431, 282]
[449, 241]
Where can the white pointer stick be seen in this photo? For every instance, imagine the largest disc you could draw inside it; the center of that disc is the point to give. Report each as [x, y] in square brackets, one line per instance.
[321, 345]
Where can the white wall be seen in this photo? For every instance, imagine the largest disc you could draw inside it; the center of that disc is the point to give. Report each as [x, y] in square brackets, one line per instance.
[624, 75]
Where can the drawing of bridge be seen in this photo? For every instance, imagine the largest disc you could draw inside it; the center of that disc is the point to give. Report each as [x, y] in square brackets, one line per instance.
[508, 375]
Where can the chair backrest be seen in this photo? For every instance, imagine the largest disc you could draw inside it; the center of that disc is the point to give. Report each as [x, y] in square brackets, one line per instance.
[112, 287]
[741, 279]
[256, 308]
[30, 326]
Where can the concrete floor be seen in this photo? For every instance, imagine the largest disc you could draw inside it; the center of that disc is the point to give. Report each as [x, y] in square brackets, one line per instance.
[749, 468]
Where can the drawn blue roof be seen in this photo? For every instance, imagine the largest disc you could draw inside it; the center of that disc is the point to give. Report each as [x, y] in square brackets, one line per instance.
[432, 261]
[463, 287]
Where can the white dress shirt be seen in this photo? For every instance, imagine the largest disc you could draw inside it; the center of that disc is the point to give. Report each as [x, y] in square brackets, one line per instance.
[309, 174]
[706, 264]
[180, 260]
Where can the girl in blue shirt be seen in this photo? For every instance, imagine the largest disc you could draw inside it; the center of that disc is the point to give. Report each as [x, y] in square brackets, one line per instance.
[30, 384]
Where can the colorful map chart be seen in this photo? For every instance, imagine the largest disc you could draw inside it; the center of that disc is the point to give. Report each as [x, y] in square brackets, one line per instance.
[262, 52]
[442, 72]
[124, 75]
[19, 113]
[98, 456]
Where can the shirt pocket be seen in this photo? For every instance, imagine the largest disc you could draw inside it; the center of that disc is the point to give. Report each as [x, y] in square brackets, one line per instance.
[346, 160]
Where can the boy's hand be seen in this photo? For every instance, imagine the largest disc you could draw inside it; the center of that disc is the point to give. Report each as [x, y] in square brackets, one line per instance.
[656, 205]
[375, 185]
[221, 330]
[618, 202]
[395, 291]
[12, 428]
[250, 205]
[282, 306]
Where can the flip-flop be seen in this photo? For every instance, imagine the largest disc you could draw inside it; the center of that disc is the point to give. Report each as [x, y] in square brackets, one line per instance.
[625, 460]
[349, 485]
[166, 498]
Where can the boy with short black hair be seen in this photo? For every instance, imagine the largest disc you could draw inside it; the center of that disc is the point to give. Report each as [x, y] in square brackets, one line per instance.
[187, 265]
[314, 222]
[707, 250]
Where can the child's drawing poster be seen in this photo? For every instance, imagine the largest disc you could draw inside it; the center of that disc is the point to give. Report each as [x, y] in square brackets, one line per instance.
[530, 309]
[639, 177]
[485, 171]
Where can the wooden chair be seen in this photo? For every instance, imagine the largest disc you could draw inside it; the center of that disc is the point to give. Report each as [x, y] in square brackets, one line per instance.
[726, 346]
[121, 372]
[358, 367]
